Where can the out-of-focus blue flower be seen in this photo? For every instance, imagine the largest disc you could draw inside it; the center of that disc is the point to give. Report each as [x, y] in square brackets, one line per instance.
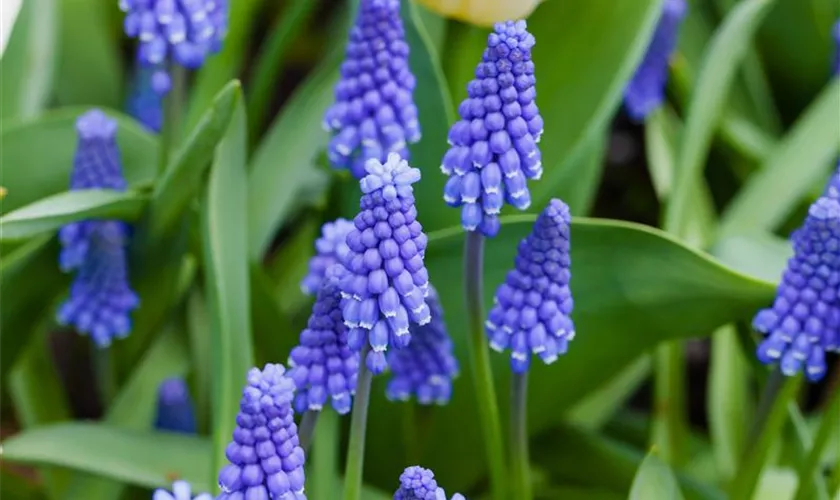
[175, 410]
[417, 483]
[426, 367]
[322, 365]
[180, 491]
[100, 298]
[836, 35]
[532, 308]
[383, 279]
[646, 90]
[494, 145]
[186, 31]
[804, 321]
[145, 101]
[374, 112]
[329, 249]
[266, 460]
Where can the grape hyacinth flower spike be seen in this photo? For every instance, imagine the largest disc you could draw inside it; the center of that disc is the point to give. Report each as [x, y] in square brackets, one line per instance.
[180, 491]
[185, 31]
[804, 321]
[832, 188]
[532, 308]
[374, 112]
[330, 248]
[145, 100]
[646, 90]
[384, 280]
[494, 145]
[100, 297]
[426, 367]
[417, 483]
[175, 411]
[322, 365]
[266, 460]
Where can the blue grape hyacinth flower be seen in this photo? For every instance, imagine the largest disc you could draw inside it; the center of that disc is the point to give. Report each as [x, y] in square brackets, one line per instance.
[383, 279]
[532, 308]
[646, 90]
[175, 411]
[494, 145]
[145, 100]
[181, 490]
[330, 248]
[832, 188]
[804, 321]
[266, 460]
[426, 367]
[374, 112]
[100, 297]
[185, 31]
[323, 366]
[417, 483]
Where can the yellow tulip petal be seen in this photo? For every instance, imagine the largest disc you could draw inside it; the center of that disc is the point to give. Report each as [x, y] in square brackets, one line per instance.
[482, 12]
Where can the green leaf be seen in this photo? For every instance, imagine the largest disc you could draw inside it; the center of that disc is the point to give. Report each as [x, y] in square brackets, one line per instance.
[37, 155]
[28, 62]
[797, 162]
[634, 287]
[436, 114]
[722, 58]
[225, 242]
[31, 271]
[284, 164]
[198, 325]
[599, 406]
[585, 54]
[762, 255]
[654, 479]
[55, 211]
[136, 404]
[145, 458]
[581, 177]
[90, 68]
[185, 172]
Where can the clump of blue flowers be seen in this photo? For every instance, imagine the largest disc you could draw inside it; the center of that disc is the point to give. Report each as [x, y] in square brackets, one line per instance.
[532, 308]
[374, 112]
[175, 411]
[100, 298]
[186, 31]
[417, 483]
[322, 365]
[426, 367]
[384, 280]
[494, 145]
[266, 460]
[646, 90]
[181, 490]
[330, 248]
[804, 321]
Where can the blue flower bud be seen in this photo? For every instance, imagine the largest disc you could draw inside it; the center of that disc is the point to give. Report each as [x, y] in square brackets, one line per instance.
[646, 90]
[329, 249]
[425, 367]
[186, 31]
[100, 297]
[266, 460]
[145, 100]
[180, 491]
[417, 483]
[494, 145]
[382, 277]
[175, 410]
[374, 112]
[532, 308]
[804, 321]
[323, 366]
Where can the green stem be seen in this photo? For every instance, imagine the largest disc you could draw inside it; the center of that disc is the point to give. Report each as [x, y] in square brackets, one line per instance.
[354, 469]
[488, 412]
[829, 424]
[411, 432]
[306, 429]
[519, 436]
[769, 421]
[669, 402]
[106, 379]
[323, 483]
[173, 114]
